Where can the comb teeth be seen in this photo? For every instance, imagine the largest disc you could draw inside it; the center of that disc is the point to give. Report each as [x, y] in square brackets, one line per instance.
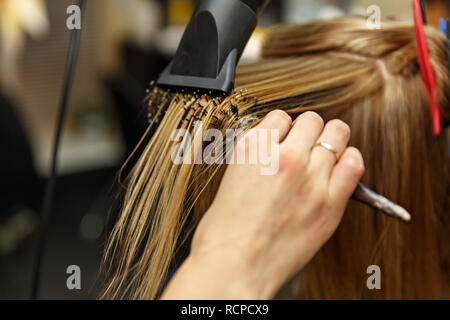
[158, 100]
[157, 103]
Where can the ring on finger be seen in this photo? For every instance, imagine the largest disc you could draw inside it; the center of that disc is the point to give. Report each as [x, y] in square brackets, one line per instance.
[329, 148]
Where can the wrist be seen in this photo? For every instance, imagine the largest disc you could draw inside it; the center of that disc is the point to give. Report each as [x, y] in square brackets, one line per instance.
[228, 276]
[214, 278]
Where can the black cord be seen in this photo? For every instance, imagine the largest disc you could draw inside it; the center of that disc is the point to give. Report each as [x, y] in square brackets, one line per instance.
[50, 187]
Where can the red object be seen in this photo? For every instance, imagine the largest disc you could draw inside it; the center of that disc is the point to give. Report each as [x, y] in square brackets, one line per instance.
[425, 68]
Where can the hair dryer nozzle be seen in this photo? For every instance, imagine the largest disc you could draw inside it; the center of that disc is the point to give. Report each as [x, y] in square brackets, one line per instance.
[211, 47]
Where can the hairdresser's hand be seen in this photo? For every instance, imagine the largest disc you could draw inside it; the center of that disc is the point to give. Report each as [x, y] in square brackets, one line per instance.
[262, 229]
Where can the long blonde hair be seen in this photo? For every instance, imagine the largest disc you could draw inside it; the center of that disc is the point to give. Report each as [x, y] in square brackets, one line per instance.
[339, 68]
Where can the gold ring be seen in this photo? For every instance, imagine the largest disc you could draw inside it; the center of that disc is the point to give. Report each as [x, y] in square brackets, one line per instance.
[328, 147]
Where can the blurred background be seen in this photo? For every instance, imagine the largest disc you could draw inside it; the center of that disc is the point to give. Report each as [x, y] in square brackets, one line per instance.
[124, 45]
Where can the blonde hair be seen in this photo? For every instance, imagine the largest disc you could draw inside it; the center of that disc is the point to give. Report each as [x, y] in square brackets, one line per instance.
[339, 68]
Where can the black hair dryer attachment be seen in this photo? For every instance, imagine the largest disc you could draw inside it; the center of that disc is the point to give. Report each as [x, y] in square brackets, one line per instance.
[211, 47]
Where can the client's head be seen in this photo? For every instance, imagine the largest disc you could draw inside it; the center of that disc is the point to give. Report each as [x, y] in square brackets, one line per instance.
[340, 69]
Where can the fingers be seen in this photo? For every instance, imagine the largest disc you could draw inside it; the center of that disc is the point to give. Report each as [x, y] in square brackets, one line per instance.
[278, 120]
[345, 176]
[304, 132]
[336, 134]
